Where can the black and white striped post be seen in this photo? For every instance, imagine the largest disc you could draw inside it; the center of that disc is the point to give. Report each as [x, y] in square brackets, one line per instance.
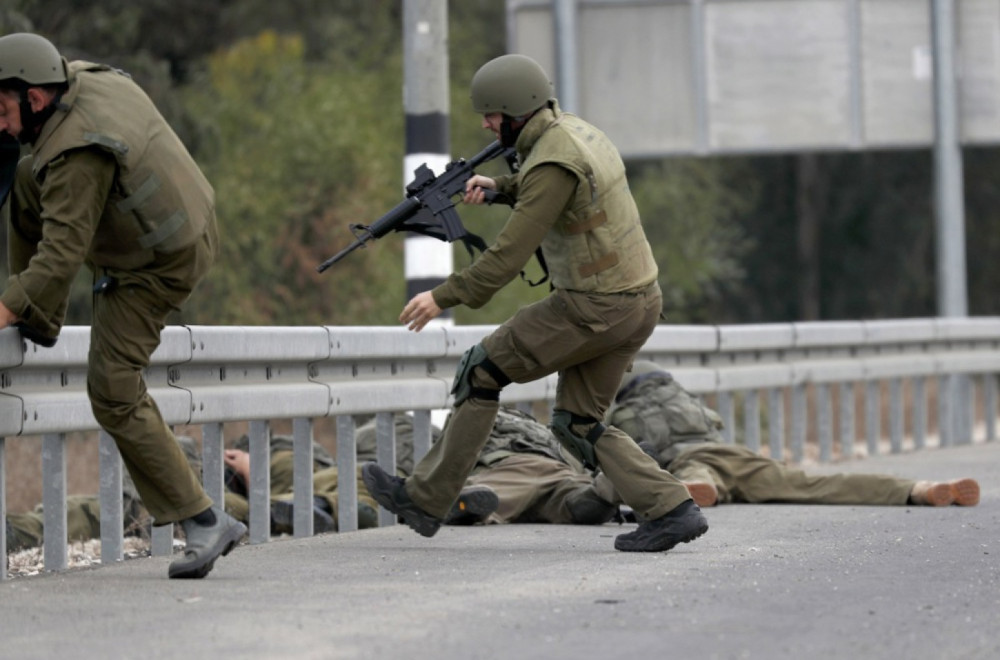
[428, 261]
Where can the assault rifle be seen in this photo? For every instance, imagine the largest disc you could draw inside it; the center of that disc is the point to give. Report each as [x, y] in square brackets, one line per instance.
[428, 208]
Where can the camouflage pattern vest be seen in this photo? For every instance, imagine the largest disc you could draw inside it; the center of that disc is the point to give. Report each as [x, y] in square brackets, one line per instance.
[161, 201]
[515, 432]
[653, 408]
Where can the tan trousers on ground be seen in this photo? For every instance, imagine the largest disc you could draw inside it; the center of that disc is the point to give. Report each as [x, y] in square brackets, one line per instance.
[532, 489]
[742, 475]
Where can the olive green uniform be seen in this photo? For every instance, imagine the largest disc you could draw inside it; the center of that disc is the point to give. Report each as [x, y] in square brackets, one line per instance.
[111, 186]
[572, 200]
[282, 473]
[83, 512]
[685, 437]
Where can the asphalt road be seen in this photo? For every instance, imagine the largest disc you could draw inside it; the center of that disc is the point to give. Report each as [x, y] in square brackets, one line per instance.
[767, 581]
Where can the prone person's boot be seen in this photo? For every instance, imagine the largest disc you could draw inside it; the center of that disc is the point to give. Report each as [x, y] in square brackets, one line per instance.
[962, 492]
[682, 524]
[587, 507]
[283, 516]
[210, 534]
[474, 505]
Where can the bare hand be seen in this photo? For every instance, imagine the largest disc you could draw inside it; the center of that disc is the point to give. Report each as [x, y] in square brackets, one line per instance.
[475, 187]
[239, 461]
[7, 317]
[419, 311]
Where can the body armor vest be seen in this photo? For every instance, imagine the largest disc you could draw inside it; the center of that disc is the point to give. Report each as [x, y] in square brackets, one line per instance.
[161, 201]
[598, 245]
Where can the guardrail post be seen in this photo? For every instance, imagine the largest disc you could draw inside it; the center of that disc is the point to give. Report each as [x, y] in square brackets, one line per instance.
[919, 403]
[260, 482]
[385, 453]
[302, 478]
[727, 412]
[3, 510]
[799, 414]
[824, 422]
[945, 410]
[776, 422]
[111, 499]
[161, 541]
[848, 425]
[347, 467]
[896, 415]
[54, 501]
[751, 419]
[422, 433]
[212, 463]
[873, 419]
[990, 406]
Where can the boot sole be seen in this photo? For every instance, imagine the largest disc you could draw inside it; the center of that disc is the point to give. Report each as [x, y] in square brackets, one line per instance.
[231, 540]
[653, 547]
[473, 506]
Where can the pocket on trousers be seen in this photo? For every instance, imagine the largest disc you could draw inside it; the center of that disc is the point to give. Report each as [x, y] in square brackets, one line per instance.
[587, 311]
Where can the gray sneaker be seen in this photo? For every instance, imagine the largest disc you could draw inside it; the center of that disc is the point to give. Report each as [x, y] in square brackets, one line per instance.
[389, 491]
[474, 505]
[206, 544]
[682, 524]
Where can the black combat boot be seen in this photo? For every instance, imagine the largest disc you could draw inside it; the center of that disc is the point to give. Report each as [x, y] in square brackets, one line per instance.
[389, 491]
[283, 516]
[474, 505]
[682, 524]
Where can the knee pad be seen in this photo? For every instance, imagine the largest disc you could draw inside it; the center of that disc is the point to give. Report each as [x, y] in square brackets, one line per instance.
[581, 446]
[463, 388]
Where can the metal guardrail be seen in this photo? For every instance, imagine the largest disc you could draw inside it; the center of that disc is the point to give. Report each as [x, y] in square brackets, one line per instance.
[210, 375]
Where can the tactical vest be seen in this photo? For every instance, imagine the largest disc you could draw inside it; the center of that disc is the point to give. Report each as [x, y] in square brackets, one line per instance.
[161, 201]
[515, 432]
[658, 411]
[598, 245]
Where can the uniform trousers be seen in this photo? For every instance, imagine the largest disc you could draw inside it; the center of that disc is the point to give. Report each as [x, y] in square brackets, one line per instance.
[589, 340]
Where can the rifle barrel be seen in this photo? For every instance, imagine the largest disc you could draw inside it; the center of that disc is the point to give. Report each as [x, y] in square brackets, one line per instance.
[358, 242]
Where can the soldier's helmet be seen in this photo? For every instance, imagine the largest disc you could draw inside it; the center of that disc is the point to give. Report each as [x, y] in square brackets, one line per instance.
[640, 369]
[31, 59]
[514, 85]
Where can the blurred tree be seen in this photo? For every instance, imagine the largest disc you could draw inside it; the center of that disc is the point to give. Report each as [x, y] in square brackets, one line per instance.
[300, 151]
[691, 209]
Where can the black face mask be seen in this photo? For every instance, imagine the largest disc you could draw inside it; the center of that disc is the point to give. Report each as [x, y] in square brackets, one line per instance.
[32, 122]
[508, 136]
[10, 152]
